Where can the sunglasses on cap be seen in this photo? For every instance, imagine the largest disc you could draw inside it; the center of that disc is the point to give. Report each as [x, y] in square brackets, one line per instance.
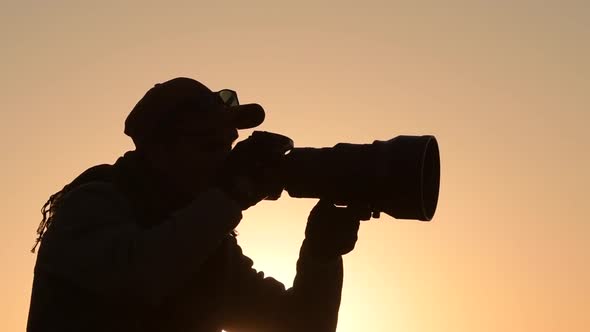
[228, 97]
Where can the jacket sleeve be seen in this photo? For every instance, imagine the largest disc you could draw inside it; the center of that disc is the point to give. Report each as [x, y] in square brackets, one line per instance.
[256, 303]
[95, 243]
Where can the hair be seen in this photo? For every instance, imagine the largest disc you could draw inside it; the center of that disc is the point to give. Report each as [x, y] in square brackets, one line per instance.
[48, 212]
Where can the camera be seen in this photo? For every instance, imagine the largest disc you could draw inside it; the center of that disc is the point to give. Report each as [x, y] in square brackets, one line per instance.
[400, 176]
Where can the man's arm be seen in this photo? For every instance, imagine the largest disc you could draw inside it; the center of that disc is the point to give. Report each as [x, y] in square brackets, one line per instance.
[96, 244]
[313, 302]
[255, 303]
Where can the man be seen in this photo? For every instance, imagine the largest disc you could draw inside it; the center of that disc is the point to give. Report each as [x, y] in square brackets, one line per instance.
[147, 244]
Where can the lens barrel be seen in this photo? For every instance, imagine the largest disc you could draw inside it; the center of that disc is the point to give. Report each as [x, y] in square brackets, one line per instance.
[400, 177]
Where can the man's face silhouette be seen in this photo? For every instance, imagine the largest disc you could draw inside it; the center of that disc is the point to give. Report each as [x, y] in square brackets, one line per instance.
[189, 160]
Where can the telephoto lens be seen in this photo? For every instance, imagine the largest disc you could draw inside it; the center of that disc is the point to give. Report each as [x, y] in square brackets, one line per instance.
[400, 177]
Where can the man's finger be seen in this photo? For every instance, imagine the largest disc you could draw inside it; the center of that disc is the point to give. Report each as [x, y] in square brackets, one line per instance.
[360, 211]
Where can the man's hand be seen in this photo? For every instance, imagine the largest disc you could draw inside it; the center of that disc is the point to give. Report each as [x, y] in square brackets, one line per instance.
[332, 231]
[244, 190]
[252, 170]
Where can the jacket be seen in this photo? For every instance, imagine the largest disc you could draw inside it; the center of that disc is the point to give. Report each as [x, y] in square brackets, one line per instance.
[114, 260]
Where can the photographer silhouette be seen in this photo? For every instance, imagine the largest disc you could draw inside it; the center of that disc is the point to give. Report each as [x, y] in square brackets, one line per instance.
[147, 243]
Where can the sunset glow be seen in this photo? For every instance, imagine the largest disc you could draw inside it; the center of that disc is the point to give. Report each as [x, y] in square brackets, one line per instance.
[503, 85]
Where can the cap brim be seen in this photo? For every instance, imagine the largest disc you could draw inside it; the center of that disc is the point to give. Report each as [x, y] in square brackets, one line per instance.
[247, 116]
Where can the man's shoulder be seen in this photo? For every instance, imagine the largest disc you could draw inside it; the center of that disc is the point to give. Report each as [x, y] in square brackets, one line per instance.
[93, 198]
[95, 191]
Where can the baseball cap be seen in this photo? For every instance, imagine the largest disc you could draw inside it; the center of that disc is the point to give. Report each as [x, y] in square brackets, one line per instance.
[184, 104]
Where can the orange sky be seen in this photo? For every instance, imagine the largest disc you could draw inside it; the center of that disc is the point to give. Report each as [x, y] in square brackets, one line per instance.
[503, 85]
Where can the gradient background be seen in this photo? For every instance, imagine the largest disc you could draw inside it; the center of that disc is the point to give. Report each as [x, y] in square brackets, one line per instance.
[503, 85]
